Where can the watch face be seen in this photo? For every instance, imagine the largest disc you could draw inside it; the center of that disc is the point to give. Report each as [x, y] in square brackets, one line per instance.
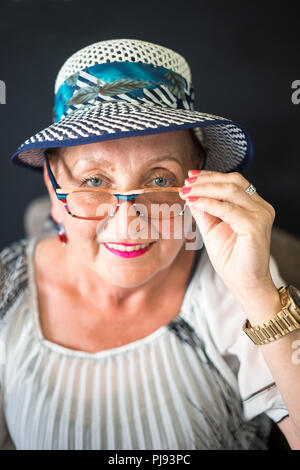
[295, 294]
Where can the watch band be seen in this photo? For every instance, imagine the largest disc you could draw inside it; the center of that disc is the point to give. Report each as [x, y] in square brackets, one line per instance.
[281, 324]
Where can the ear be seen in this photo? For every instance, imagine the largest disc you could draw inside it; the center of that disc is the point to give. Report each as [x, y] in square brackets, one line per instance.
[56, 206]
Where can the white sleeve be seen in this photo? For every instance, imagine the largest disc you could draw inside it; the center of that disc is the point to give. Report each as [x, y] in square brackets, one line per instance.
[257, 387]
[225, 318]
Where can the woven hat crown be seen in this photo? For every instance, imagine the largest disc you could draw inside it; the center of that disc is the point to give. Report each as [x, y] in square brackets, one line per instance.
[123, 50]
[126, 70]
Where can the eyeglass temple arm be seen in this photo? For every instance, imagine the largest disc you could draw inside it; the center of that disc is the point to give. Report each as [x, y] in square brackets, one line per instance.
[51, 176]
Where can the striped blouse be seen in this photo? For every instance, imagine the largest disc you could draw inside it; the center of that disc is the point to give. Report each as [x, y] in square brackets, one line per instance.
[196, 383]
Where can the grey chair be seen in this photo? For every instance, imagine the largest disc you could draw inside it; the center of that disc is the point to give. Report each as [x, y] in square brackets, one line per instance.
[36, 217]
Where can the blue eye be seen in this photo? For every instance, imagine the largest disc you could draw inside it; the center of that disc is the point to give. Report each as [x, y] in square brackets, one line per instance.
[93, 180]
[159, 180]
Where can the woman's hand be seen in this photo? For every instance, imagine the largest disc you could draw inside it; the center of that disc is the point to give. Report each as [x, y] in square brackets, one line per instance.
[235, 227]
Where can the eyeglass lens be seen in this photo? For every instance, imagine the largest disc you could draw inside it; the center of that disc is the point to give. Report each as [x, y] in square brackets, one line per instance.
[152, 205]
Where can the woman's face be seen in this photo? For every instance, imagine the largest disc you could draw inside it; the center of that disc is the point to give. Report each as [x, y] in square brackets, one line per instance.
[151, 161]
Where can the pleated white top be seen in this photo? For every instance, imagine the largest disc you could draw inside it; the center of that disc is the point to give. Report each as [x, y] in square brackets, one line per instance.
[197, 383]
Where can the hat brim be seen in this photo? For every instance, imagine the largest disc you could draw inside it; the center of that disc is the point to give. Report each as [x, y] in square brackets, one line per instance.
[228, 146]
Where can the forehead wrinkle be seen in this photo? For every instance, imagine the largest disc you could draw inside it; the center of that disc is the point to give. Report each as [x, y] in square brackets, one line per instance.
[166, 157]
[84, 163]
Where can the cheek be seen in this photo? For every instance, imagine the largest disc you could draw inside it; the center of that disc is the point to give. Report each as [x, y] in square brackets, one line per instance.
[82, 231]
[168, 250]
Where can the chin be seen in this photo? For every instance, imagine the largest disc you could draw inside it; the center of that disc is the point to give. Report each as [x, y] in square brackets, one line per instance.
[128, 273]
[127, 279]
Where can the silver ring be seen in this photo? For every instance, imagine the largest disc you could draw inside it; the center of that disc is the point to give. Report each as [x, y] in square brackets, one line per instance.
[250, 190]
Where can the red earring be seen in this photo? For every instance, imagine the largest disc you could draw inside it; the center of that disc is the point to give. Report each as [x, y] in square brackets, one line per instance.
[62, 235]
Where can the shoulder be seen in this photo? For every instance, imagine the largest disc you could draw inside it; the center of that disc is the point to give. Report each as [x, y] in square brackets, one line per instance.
[13, 273]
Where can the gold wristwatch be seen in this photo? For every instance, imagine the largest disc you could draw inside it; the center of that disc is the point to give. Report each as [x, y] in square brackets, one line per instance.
[284, 322]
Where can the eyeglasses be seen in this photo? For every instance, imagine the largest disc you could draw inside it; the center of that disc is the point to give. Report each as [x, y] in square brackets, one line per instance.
[98, 204]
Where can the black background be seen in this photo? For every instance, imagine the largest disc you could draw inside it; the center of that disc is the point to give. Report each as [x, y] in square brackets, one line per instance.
[243, 56]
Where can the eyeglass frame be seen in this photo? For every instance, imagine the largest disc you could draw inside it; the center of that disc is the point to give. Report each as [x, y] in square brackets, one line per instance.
[62, 193]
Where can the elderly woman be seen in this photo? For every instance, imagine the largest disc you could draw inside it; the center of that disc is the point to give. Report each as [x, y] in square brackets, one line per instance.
[121, 333]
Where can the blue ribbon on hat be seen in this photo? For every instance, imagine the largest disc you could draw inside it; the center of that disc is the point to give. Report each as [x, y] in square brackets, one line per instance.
[142, 83]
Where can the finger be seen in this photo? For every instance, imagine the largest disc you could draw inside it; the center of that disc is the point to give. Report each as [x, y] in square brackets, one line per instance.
[206, 176]
[234, 175]
[236, 216]
[236, 178]
[230, 192]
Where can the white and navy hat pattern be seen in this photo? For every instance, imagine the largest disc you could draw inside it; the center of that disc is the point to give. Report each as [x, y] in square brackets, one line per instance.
[128, 87]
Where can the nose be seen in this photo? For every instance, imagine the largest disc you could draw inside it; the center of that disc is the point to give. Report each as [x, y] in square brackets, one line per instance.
[127, 211]
[129, 203]
[125, 222]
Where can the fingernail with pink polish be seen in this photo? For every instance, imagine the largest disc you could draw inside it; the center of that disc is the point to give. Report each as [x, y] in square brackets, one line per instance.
[185, 190]
[192, 198]
[191, 180]
[195, 172]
